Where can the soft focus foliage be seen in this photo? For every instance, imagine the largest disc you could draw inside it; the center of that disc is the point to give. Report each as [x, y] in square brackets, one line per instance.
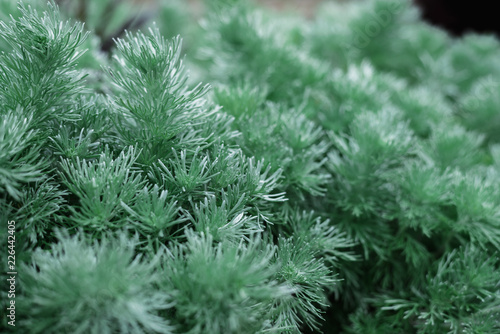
[338, 175]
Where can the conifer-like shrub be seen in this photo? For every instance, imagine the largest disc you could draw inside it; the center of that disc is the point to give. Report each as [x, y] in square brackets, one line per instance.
[332, 175]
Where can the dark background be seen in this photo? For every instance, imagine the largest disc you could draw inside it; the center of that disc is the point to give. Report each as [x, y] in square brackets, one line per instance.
[459, 17]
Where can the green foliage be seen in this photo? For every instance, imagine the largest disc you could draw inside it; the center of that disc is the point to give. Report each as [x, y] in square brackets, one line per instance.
[341, 176]
[240, 44]
[225, 287]
[308, 276]
[154, 213]
[479, 108]
[19, 156]
[38, 209]
[106, 281]
[39, 73]
[156, 108]
[101, 186]
[281, 136]
[222, 223]
[460, 295]
[378, 144]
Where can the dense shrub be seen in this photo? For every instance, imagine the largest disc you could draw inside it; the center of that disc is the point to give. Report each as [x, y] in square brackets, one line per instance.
[339, 174]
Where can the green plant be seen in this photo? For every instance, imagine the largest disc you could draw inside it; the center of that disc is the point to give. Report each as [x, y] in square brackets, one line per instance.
[320, 186]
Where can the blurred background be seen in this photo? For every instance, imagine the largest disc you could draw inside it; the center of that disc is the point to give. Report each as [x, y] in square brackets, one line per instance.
[457, 17]
[110, 18]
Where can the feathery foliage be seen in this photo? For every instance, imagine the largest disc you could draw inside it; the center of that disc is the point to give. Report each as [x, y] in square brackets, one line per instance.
[341, 176]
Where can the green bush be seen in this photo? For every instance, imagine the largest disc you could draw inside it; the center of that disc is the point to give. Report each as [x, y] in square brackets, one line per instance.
[340, 175]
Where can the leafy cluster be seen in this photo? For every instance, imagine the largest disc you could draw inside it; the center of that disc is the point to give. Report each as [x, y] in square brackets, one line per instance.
[340, 174]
